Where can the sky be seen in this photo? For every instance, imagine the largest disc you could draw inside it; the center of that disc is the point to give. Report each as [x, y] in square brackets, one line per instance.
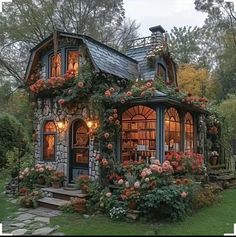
[167, 13]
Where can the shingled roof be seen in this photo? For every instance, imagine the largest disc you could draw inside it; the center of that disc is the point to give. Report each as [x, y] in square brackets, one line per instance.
[111, 61]
[104, 58]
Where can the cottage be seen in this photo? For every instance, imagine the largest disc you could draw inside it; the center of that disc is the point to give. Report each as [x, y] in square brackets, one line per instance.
[71, 78]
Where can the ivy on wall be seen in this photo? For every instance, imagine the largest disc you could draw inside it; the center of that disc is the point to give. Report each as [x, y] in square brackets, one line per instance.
[104, 93]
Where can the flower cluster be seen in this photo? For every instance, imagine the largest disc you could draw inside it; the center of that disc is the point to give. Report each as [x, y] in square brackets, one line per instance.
[198, 101]
[186, 162]
[117, 213]
[51, 83]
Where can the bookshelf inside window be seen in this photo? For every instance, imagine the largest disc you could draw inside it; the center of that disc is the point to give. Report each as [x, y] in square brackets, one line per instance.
[138, 133]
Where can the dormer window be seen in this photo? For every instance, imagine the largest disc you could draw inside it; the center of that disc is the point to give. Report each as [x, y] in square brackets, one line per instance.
[73, 61]
[56, 65]
[161, 71]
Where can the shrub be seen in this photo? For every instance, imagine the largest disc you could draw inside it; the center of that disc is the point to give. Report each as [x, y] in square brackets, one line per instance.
[204, 196]
[12, 136]
[30, 200]
[117, 213]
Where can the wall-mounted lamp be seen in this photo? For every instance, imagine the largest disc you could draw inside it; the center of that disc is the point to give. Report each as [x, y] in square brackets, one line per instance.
[61, 125]
[92, 125]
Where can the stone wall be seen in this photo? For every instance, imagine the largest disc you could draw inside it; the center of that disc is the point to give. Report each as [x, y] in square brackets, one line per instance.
[49, 109]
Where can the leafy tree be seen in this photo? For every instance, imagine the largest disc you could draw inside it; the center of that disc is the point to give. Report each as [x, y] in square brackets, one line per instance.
[220, 26]
[184, 43]
[198, 81]
[12, 136]
[25, 23]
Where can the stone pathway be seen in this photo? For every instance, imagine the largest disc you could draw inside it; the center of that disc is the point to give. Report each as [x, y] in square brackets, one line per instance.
[31, 222]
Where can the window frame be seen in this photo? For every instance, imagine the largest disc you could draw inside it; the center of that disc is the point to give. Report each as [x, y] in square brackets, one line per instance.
[175, 132]
[192, 133]
[67, 50]
[44, 134]
[50, 63]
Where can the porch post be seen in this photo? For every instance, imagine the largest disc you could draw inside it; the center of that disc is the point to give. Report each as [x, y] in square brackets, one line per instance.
[160, 132]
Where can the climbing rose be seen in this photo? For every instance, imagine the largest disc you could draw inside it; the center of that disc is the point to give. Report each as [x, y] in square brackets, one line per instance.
[184, 194]
[108, 194]
[80, 84]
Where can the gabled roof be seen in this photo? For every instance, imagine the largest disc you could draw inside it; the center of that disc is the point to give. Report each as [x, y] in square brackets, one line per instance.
[104, 58]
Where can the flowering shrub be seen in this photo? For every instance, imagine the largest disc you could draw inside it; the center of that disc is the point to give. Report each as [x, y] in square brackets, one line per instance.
[82, 182]
[40, 174]
[57, 176]
[117, 213]
[191, 163]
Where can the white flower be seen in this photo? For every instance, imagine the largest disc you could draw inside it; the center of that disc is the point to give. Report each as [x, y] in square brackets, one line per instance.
[126, 184]
[121, 181]
[137, 184]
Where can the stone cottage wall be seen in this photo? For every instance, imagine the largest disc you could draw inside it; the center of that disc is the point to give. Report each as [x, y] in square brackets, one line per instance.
[49, 109]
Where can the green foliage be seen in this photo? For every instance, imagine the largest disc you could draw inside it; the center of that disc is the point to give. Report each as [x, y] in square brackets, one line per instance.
[104, 20]
[67, 208]
[204, 196]
[12, 136]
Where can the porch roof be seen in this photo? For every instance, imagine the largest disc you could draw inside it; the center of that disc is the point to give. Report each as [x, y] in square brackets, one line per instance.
[163, 98]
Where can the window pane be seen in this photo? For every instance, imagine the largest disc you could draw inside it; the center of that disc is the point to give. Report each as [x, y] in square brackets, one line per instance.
[138, 133]
[188, 128]
[56, 65]
[73, 61]
[49, 147]
[50, 127]
[172, 130]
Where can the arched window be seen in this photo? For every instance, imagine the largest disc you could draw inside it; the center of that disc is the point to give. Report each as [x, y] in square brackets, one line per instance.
[138, 133]
[49, 141]
[172, 130]
[73, 60]
[161, 71]
[188, 130]
[55, 70]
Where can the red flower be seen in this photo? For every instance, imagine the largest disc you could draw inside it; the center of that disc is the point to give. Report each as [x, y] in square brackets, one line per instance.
[107, 93]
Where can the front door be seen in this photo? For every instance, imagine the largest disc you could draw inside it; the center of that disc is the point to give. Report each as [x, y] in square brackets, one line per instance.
[79, 149]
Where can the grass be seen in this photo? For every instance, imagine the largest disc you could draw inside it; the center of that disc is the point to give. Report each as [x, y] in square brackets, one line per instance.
[6, 207]
[74, 224]
[215, 220]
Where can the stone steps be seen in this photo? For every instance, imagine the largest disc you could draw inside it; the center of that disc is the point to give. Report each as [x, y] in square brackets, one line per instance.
[63, 194]
[52, 203]
[56, 197]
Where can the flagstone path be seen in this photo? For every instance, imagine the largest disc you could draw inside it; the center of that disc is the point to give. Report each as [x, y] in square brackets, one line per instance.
[31, 222]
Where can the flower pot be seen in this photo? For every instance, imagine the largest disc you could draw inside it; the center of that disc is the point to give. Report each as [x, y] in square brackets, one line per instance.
[56, 185]
[80, 207]
[213, 160]
[84, 188]
[132, 205]
[41, 181]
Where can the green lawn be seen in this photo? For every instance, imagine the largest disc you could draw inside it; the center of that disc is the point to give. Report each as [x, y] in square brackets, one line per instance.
[6, 207]
[215, 220]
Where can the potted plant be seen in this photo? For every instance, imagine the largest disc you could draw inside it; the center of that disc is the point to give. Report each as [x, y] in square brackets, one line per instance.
[79, 204]
[57, 179]
[214, 158]
[82, 183]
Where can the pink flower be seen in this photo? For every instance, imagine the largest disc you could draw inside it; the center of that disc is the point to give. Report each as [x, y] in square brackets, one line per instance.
[159, 170]
[41, 170]
[143, 174]
[147, 180]
[61, 101]
[184, 194]
[21, 177]
[156, 162]
[126, 184]
[108, 194]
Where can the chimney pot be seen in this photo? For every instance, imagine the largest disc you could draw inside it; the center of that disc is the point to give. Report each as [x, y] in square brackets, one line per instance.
[156, 29]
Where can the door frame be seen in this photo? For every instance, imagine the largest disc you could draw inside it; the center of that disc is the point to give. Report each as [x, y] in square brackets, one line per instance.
[70, 149]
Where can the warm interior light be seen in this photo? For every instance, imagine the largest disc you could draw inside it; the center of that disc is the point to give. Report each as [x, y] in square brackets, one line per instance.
[89, 124]
[60, 125]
